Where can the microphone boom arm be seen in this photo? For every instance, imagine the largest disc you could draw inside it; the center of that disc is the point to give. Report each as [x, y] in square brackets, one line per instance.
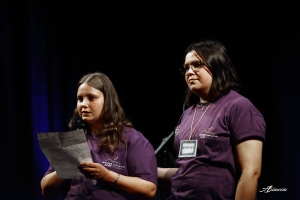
[164, 140]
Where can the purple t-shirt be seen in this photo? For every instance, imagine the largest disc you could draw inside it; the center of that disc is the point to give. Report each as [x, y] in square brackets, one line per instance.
[212, 174]
[137, 160]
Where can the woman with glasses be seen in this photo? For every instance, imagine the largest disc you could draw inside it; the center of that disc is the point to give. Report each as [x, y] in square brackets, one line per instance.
[124, 162]
[219, 137]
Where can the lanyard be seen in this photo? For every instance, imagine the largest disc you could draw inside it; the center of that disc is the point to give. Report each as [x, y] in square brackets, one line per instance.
[192, 130]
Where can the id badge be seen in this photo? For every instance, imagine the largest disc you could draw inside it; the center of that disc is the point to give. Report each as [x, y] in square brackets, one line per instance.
[188, 148]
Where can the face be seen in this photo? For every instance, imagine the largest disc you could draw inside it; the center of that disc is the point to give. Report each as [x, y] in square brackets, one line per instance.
[198, 82]
[90, 103]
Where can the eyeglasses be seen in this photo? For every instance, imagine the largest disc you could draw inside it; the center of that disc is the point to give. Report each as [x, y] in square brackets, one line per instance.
[196, 66]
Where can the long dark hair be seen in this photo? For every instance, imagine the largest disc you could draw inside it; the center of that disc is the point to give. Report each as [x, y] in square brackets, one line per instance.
[113, 118]
[216, 59]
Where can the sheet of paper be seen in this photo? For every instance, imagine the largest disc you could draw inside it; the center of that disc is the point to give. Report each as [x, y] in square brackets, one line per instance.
[64, 151]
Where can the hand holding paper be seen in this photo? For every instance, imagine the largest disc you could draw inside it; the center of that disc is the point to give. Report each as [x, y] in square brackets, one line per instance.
[65, 151]
[93, 170]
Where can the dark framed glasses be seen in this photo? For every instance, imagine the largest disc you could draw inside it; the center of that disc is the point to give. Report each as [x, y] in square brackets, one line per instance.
[196, 66]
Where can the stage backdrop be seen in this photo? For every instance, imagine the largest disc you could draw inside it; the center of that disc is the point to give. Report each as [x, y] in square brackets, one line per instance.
[46, 47]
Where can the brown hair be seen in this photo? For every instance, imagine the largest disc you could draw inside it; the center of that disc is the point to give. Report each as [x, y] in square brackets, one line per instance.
[216, 59]
[113, 118]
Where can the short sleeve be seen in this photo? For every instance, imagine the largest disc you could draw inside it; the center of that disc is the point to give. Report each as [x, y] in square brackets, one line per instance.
[49, 170]
[141, 160]
[246, 122]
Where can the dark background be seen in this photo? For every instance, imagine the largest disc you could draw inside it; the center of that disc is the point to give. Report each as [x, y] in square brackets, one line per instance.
[47, 46]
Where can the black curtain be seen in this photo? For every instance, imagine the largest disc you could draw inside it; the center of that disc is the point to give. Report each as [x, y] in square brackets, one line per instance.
[47, 46]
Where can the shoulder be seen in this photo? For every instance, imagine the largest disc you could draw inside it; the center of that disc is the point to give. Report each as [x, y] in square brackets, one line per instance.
[188, 110]
[234, 97]
[132, 133]
[135, 137]
[244, 118]
[185, 115]
[236, 102]
[137, 143]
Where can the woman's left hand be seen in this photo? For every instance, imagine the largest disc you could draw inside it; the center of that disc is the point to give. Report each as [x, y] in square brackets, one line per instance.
[93, 170]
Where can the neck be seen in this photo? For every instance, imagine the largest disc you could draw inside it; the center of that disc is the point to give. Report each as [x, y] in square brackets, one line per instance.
[204, 96]
[94, 129]
[202, 104]
[204, 100]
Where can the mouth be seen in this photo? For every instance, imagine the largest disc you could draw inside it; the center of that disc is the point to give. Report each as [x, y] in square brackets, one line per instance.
[84, 113]
[190, 80]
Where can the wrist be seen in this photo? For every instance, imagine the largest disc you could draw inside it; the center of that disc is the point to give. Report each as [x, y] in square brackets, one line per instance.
[112, 178]
[106, 175]
[116, 180]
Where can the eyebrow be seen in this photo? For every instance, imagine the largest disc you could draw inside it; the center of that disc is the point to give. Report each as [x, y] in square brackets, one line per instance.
[193, 62]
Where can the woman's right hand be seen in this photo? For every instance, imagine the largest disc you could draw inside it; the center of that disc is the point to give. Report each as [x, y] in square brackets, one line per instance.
[93, 170]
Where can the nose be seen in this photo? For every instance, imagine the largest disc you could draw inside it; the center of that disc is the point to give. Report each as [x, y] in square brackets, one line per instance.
[189, 71]
[84, 102]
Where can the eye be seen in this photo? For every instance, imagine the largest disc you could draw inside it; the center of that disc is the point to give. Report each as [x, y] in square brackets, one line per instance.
[197, 64]
[79, 99]
[91, 98]
[186, 68]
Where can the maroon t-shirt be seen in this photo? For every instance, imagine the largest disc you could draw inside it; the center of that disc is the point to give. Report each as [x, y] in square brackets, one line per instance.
[212, 173]
[137, 160]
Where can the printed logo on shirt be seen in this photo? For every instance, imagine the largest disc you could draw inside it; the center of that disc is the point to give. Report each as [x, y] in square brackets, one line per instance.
[208, 134]
[112, 163]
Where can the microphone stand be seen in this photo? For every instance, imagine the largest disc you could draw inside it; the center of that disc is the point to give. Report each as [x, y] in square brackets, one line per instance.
[164, 140]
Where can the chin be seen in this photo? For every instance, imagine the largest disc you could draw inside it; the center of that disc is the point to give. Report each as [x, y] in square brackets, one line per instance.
[194, 88]
[196, 91]
[86, 119]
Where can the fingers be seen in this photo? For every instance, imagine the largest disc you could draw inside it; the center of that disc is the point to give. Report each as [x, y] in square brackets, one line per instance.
[92, 170]
[87, 169]
[88, 164]
[89, 173]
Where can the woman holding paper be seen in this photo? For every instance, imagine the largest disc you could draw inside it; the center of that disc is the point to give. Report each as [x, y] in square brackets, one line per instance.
[124, 162]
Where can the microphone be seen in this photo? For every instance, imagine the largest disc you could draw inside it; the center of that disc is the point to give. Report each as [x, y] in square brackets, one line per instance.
[78, 123]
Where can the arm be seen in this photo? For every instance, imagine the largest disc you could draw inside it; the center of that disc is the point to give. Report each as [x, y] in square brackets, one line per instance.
[51, 185]
[131, 185]
[164, 175]
[249, 159]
